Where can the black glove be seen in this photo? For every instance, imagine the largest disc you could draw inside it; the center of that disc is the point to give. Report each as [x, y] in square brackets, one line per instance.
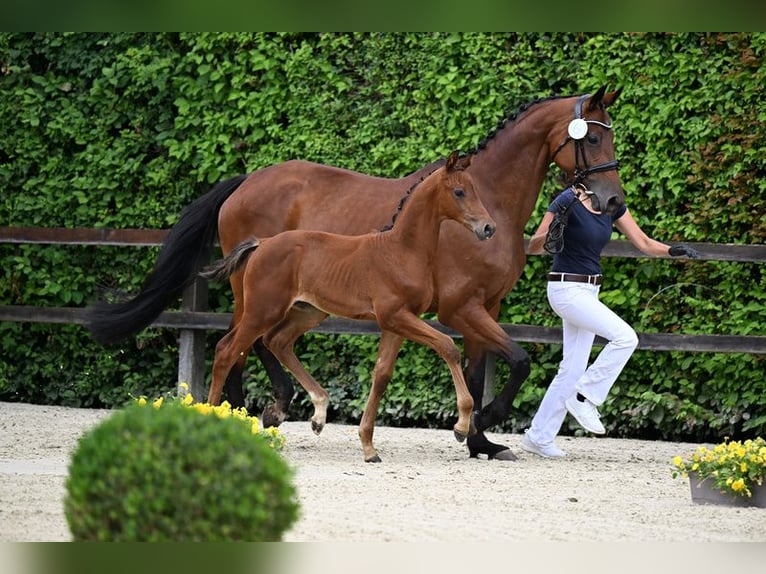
[681, 250]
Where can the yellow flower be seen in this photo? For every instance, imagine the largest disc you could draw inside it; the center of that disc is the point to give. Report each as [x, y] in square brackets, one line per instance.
[743, 467]
[678, 461]
[738, 485]
[202, 408]
[224, 410]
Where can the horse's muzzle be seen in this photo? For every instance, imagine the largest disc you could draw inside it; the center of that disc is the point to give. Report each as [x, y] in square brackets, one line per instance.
[613, 203]
[485, 232]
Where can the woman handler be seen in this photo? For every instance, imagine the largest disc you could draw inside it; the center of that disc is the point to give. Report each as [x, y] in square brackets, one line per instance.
[576, 234]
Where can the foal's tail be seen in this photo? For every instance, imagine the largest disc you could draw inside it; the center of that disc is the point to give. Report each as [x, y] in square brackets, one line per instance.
[223, 268]
[181, 255]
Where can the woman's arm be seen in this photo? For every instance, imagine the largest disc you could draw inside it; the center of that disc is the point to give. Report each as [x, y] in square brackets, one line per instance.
[537, 241]
[628, 226]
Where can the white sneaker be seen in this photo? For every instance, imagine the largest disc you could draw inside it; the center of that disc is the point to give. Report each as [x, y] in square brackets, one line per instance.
[586, 414]
[547, 451]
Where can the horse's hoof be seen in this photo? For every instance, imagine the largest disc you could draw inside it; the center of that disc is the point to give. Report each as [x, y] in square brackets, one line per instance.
[271, 418]
[317, 427]
[503, 455]
[480, 444]
[374, 458]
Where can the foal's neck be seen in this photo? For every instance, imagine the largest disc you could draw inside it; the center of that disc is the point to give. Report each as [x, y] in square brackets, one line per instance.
[417, 226]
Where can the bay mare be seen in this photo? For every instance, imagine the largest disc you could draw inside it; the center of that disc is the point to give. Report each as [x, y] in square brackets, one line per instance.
[508, 168]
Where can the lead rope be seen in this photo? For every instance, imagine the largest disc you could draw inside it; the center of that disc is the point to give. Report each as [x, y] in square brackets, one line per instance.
[554, 239]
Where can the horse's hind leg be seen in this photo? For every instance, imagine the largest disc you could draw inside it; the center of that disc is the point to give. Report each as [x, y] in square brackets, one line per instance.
[381, 376]
[281, 387]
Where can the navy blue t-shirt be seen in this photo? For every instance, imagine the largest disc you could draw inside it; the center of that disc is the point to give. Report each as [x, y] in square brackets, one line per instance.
[585, 236]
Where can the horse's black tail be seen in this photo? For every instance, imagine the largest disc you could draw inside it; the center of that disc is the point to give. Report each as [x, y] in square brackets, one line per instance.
[187, 243]
[223, 268]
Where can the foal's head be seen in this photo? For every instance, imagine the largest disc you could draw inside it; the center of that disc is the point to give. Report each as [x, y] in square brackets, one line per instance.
[458, 199]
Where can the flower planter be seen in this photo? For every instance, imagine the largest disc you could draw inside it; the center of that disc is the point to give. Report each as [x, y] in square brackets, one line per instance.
[705, 492]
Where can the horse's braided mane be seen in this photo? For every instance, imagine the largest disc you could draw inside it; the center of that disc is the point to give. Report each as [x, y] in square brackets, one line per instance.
[511, 116]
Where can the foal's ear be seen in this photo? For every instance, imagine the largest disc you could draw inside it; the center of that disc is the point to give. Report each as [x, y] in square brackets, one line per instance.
[457, 163]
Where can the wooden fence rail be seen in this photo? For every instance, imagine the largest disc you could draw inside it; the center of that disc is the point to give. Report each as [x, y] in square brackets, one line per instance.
[193, 319]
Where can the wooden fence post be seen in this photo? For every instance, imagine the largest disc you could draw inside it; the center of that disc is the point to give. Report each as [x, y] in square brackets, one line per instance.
[191, 344]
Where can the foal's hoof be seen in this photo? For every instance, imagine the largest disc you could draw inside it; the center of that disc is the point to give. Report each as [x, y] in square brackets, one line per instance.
[460, 435]
[374, 458]
[317, 427]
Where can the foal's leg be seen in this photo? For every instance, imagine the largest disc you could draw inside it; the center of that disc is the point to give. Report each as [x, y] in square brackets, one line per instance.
[229, 350]
[301, 318]
[411, 327]
[263, 308]
[235, 393]
[281, 340]
[384, 367]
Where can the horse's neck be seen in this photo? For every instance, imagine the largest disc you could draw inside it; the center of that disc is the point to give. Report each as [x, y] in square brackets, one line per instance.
[417, 225]
[511, 167]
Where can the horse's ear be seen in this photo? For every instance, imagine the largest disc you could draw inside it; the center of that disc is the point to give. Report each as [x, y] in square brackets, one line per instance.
[452, 160]
[457, 163]
[611, 97]
[596, 98]
[602, 99]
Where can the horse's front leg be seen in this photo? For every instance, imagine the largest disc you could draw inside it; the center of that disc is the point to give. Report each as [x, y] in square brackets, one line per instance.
[481, 333]
[384, 367]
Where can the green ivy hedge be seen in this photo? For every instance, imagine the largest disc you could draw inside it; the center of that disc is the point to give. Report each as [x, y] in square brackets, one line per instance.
[124, 130]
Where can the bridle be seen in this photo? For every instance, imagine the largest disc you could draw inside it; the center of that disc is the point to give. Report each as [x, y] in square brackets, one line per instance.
[576, 131]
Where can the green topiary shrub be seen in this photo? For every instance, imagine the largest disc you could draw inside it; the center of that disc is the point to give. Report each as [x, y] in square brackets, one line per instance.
[175, 474]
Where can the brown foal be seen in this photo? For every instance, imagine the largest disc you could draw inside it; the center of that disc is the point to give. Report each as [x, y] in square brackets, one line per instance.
[386, 276]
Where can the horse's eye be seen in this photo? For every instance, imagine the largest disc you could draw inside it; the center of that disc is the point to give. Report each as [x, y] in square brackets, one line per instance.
[593, 138]
[459, 192]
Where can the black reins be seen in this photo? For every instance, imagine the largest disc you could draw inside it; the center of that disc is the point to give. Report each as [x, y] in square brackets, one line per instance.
[577, 130]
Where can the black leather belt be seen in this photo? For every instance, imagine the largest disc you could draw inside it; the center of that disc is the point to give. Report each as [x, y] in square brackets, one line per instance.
[592, 279]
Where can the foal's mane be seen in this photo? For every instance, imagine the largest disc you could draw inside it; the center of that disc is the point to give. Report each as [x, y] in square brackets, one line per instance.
[511, 116]
[405, 197]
